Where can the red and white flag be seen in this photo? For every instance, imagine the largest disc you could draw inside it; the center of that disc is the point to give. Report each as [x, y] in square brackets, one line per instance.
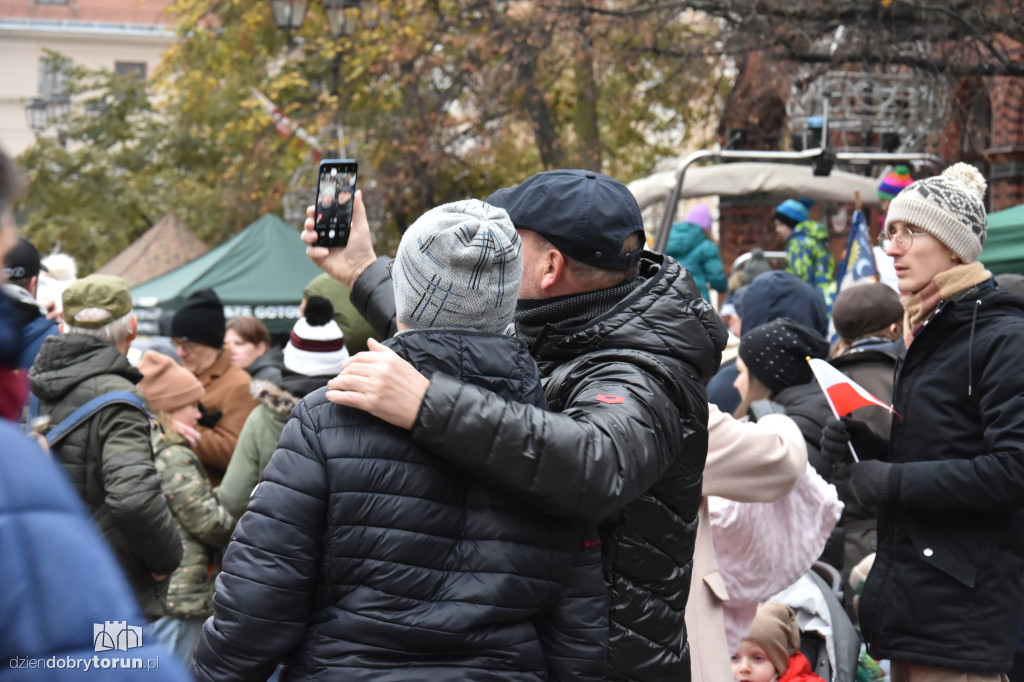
[843, 393]
[286, 126]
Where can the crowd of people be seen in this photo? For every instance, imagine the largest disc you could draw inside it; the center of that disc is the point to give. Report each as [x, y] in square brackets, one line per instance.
[528, 448]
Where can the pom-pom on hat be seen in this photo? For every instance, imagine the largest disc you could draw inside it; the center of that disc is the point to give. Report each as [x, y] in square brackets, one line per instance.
[699, 215]
[200, 319]
[893, 183]
[167, 385]
[459, 265]
[316, 345]
[776, 353]
[792, 212]
[775, 630]
[950, 207]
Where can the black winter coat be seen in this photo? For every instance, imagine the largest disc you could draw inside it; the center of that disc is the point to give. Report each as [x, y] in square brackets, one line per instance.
[625, 446]
[946, 586]
[362, 557]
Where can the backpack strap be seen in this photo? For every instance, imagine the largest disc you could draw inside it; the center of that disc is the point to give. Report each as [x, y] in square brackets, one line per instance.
[82, 413]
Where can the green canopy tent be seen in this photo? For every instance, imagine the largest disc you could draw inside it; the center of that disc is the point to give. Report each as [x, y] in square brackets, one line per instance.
[260, 272]
[1004, 245]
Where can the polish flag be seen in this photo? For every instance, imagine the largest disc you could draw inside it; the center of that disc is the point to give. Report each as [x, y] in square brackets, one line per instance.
[843, 393]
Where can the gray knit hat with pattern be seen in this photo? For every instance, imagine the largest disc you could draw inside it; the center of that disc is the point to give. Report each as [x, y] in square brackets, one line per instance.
[950, 207]
[459, 265]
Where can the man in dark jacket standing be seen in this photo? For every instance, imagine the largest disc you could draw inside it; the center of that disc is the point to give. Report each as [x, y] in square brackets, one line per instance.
[108, 458]
[943, 598]
[625, 344]
[363, 557]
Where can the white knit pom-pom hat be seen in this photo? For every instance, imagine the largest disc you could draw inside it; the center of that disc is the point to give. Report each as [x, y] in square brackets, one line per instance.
[950, 207]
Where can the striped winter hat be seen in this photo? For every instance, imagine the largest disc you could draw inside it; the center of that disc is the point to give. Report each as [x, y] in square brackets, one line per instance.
[316, 346]
[893, 183]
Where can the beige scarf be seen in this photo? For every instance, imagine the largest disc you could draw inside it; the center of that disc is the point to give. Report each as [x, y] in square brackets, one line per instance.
[919, 307]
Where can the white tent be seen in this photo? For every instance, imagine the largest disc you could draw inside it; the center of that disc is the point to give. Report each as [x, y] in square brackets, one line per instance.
[782, 180]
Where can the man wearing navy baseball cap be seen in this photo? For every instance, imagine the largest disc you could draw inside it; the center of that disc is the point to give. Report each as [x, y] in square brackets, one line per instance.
[625, 344]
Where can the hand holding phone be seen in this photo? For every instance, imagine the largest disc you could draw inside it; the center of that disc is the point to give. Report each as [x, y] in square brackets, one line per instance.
[336, 185]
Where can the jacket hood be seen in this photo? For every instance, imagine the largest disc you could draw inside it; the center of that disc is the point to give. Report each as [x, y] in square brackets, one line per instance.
[66, 361]
[282, 397]
[499, 363]
[684, 237]
[776, 294]
[665, 315]
[272, 358]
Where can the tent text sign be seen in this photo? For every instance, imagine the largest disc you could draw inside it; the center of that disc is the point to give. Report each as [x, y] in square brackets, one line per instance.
[149, 316]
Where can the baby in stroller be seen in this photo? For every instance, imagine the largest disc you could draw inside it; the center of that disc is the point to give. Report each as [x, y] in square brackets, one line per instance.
[771, 651]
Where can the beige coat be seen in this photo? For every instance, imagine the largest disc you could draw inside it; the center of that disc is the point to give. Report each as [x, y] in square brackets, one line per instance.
[748, 463]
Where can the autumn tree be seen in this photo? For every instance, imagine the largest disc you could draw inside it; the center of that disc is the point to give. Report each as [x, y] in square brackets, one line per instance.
[438, 99]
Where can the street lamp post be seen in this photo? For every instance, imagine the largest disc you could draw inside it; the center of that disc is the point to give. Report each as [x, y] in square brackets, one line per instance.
[43, 112]
[288, 15]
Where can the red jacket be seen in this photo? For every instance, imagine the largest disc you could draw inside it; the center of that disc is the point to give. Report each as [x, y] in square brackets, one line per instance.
[799, 670]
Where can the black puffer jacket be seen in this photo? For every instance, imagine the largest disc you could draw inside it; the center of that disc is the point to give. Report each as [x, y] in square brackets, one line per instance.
[625, 446]
[361, 557]
[946, 586]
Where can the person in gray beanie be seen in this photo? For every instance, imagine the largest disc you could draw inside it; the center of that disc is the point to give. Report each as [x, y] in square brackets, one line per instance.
[362, 556]
[626, 345]
[459, 265]
[943, 597]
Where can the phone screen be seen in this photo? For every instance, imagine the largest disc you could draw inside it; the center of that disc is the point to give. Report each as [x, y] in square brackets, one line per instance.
[335, 188]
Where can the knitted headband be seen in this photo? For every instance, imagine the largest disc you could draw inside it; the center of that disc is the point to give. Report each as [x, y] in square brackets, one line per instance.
[950, 207]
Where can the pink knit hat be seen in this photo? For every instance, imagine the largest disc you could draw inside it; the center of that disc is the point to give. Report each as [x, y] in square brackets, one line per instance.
[699, 215]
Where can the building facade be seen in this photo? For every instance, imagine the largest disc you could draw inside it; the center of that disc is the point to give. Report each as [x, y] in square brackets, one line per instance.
[127, 36]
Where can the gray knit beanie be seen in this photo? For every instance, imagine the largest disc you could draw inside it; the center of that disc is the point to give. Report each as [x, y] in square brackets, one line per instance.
[951, 207]
[459, 265]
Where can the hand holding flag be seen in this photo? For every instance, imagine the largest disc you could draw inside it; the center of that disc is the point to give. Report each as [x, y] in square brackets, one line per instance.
[844, 395]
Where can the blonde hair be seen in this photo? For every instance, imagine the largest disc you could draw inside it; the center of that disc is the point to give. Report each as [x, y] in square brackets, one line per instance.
[755, 391]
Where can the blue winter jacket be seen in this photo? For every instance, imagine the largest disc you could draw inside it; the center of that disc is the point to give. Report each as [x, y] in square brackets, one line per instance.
[60, 581]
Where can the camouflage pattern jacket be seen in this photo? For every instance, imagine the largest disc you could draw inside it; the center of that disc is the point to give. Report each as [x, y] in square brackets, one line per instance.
[203, 524]
[809, 257]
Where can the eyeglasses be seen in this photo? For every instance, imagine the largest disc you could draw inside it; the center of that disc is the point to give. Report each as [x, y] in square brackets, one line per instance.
[391, 268]
[904, 240]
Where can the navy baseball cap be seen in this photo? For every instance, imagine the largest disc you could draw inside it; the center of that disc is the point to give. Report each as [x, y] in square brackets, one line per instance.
[585, 214]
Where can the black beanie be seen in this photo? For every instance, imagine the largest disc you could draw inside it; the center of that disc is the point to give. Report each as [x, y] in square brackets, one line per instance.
[776, 353]
[200, 319]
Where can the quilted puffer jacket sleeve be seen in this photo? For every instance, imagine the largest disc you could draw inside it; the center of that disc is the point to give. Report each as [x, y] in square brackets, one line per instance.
[132, 485]
[615, 436]
[264, 594]
[575, 633]
[373, 295]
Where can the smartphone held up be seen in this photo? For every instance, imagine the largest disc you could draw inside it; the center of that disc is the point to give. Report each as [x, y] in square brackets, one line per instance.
[335, 188]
